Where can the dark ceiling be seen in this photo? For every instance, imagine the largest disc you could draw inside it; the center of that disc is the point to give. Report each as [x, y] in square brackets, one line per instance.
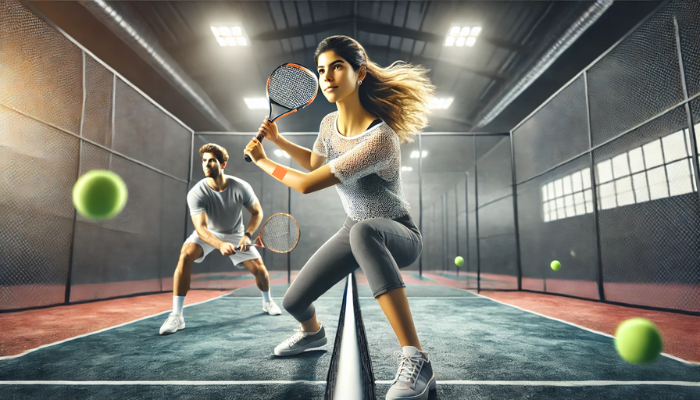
[514, 36]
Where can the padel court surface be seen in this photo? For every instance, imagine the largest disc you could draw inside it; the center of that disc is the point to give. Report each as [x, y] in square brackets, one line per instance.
[493, 345]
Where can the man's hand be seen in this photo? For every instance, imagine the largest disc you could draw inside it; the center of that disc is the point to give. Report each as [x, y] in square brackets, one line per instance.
[245, 243]
[227, 249]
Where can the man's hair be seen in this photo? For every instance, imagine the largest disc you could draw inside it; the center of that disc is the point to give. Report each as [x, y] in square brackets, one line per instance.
[219, 152]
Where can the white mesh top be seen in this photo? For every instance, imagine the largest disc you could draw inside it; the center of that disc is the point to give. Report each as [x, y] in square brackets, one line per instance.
[368, 167]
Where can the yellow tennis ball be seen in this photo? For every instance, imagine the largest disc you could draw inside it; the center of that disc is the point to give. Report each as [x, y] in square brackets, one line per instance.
[99, 194]
[638, 341]
[459, 261]
[555, 265]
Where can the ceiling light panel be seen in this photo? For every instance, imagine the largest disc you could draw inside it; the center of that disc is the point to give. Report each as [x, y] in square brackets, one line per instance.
[230, 36]
[462, 36]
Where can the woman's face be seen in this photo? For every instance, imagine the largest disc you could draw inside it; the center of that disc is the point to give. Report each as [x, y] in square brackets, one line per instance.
[336, 77]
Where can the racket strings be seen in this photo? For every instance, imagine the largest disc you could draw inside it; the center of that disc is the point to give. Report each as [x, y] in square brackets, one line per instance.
[292, 87]
[280, 233]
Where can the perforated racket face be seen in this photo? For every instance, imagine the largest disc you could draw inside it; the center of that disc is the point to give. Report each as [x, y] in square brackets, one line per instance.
[292, 86]
[280, 233]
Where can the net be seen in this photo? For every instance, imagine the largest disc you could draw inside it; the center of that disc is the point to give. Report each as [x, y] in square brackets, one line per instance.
[292, 87]
[347, 388]
[280, 233]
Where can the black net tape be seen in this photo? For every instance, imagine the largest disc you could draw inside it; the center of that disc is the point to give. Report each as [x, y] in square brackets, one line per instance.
[556, 222]
[649, 215]
[36, 215]
[558, 130]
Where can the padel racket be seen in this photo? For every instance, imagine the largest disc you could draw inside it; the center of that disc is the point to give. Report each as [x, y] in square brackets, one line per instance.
[292, 87]
[280, 233]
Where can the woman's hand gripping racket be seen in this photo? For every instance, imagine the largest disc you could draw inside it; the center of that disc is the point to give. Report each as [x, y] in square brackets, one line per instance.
[280, 233]
[292, 87]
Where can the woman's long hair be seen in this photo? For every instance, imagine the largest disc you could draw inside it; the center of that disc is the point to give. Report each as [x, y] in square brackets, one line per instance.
[398, 94]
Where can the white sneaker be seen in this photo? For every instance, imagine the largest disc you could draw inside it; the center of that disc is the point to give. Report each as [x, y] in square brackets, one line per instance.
[271, 308]
[301, 341]
[174, 323]
[415, 378]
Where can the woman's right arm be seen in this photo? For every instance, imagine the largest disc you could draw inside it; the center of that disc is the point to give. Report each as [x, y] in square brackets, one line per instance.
[302, 156]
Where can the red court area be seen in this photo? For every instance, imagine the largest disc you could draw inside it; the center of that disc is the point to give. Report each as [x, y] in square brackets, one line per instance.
[25, 330]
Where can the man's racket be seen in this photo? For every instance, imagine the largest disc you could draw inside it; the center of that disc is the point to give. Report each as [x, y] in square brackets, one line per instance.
[292, 87]
[280, 233]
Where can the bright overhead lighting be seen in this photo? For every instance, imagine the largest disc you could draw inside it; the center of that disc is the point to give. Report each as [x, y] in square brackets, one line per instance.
[256, 103]
[460, 36]
[229, 36]
[441, 103]
[416, 153]
[280, 153]
[406, 169]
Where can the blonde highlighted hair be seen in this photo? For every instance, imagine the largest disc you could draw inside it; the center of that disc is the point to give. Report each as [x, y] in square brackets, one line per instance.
[218, 151]
[399, 94]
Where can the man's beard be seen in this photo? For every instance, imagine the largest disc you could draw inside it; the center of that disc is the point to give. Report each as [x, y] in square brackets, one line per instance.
[213, 173]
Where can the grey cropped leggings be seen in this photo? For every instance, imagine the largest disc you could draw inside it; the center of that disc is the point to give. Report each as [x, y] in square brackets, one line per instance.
[378, 246]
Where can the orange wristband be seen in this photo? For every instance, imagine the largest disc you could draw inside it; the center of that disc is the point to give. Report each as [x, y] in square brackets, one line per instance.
[279, 172]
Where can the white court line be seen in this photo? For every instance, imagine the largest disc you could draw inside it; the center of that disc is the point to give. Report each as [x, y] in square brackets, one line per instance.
[457, 382]
[577, 326]
[103, 330]
[561, 383]
[159, 383]
[371, 298]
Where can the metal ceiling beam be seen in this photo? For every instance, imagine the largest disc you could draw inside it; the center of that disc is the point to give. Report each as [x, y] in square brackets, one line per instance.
[371, 26]
[129, 28]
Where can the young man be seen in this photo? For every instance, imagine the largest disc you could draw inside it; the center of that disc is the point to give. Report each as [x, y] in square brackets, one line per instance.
[215, 205]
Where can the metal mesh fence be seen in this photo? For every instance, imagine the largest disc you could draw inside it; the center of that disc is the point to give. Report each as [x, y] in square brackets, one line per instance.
[637, 80]
[631, 236]
[57, 121]
[37, 217]
[556, 222]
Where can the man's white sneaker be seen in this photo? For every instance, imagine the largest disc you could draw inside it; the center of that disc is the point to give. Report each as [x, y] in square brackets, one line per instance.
[271, 308]
[415, 378]
[174, 323]
[301, 341]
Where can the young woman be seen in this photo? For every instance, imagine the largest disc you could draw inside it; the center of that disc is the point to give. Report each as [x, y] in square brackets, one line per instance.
[378, 108]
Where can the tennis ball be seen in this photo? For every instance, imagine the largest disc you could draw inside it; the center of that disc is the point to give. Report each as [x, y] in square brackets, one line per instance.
[555, 265]
[99, 194]
[459, 261]
[638, 341]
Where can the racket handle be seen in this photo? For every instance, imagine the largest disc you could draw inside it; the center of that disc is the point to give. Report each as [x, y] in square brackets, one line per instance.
[260, 138]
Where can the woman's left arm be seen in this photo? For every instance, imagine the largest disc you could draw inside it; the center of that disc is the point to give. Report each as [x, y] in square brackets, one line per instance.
[316, 180]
